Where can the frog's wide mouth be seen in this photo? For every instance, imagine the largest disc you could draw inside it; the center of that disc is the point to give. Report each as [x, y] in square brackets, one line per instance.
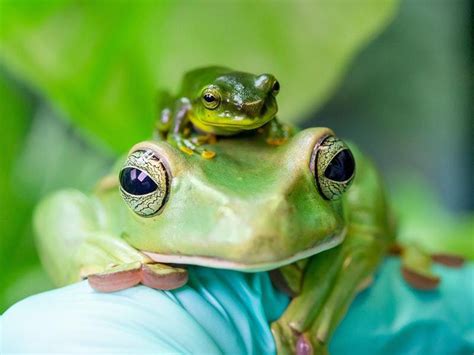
[221, 263]
[247, 122]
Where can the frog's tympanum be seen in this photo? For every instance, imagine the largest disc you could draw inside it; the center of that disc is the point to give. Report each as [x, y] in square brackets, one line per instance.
[223, 102]
[312, 210]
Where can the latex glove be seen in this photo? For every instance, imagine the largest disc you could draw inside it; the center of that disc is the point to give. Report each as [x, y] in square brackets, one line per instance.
[229, 312]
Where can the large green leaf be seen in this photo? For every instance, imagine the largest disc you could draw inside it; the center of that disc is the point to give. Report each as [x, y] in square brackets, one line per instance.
[102, 62]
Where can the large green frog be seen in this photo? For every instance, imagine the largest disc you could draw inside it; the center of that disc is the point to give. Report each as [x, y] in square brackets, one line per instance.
[312, 210]
[220, 101]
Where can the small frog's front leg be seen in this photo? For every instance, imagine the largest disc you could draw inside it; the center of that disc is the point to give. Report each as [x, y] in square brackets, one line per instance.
[180, 131]
[331, 281]
[277, 132]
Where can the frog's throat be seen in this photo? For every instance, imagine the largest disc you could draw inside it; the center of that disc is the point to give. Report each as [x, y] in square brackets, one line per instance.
[219, 263]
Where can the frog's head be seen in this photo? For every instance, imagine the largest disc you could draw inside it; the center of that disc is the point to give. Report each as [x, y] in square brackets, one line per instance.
[253, 207]
[225, 98]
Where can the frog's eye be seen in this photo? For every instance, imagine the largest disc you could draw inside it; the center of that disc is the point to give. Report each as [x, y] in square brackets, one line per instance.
[275, 88]
[144, 183]
[211, 98]
[333, 166]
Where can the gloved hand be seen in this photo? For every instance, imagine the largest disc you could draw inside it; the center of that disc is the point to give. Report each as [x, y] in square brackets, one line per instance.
[222, 311]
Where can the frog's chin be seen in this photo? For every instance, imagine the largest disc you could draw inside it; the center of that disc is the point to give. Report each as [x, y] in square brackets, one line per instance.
[220, 263]
[239, 124]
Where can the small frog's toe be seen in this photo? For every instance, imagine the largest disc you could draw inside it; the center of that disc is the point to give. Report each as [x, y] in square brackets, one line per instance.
[189, 147]
[116, 278]
[420, 280]
[276, 140]
[208, 154]
[204, 139]
[449, 260]
[278, 133]
[185, 149]
[163, 277]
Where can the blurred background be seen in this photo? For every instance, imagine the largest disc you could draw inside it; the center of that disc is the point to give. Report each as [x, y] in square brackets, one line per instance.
[78, 84]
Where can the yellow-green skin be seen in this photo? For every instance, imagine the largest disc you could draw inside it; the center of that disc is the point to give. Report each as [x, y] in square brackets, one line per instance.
[244, 102]
[253, 207]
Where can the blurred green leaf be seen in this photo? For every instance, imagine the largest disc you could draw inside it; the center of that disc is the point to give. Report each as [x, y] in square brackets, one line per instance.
[17, 252]
[40, 158]
[102, 62]
[424, 221]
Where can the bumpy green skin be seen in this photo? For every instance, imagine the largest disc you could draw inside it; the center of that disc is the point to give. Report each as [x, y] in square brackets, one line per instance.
[253, 207]
[245, 102]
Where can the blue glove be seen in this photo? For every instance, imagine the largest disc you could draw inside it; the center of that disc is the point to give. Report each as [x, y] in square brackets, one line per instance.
[222, 311]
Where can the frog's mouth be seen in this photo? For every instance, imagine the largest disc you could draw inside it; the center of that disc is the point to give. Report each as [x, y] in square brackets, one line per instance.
[220, 263]
[254, 115]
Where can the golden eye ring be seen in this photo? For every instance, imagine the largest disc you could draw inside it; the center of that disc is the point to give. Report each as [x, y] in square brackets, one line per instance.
[211, 98]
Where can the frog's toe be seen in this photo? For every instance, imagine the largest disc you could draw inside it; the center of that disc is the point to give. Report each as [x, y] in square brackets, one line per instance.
[163, 277]
[276, 140]
[187, 146]
[116, 278]
[159, 276]
[304, 346]
[204, 139]
[208, 154]
[449, 260]
[417, 268]
[419, 280]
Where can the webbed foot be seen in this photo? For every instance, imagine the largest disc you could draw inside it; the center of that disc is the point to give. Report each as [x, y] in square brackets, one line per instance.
[191, 145]
[119, 277]
[417, 265]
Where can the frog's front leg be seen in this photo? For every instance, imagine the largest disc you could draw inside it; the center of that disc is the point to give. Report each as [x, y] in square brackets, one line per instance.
[110, 264]
[180, 131]
[74, 244]
[277, 133]
[331, 281]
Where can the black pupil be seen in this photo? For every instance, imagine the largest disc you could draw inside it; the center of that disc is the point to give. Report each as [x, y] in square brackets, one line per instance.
[276, 86]
[341, 167]
[209, 98]
[136, 181]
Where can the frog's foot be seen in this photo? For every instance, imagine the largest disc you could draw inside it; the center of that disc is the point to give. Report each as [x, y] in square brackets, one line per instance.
[188, 146]
[204, 139]
[119, 277]
[278, 133]
[416, 266]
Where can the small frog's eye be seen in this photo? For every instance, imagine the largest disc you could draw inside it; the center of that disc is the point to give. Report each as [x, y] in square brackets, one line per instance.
[333, 166]
[275, 88]
[211, 98]
[144, 183]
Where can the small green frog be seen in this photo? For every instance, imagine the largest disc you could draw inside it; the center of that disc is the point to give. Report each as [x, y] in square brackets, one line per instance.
[220, 101]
